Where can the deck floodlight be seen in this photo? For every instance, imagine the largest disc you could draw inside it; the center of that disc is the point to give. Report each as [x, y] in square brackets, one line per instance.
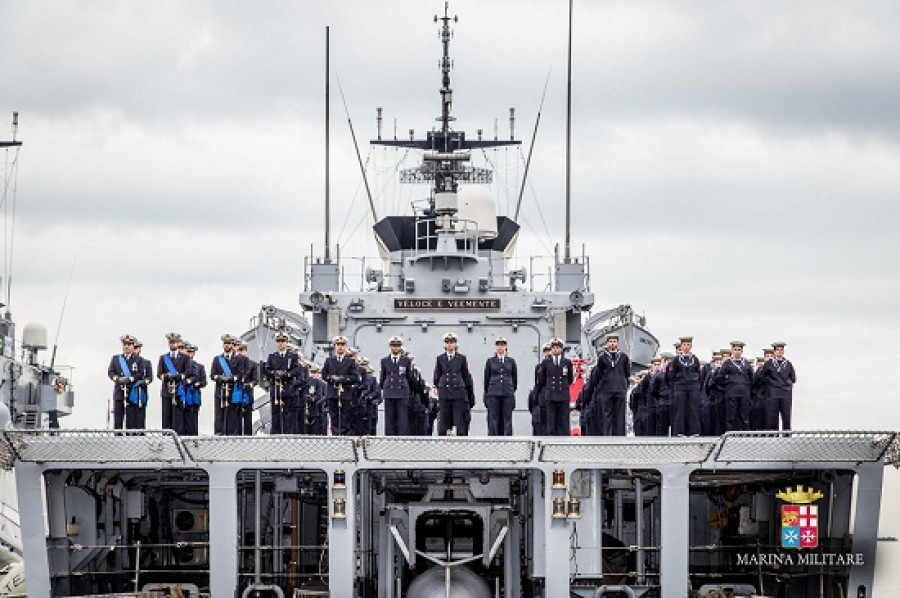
[559, 508]
[559, 478]
[339, 509]
[574, 508]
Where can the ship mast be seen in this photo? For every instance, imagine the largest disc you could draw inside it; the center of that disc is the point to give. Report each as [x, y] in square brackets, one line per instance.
[446, 66]
[568, 247]
[7, 279]
[327, 149]
[446, 150]
[13, 143]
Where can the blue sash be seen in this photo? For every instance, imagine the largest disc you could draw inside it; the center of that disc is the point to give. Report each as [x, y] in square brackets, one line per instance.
[134, 391]
[179, 388]
[192, 396]
[237, 392]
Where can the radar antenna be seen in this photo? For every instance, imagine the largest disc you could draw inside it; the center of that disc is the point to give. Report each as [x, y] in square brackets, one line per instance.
[446, 66]
[446, 150]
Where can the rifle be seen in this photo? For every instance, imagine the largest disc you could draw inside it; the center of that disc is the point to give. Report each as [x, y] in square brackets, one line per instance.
[226, 391]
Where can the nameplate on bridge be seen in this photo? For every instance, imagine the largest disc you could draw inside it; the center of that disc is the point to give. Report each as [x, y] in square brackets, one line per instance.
[446, 304]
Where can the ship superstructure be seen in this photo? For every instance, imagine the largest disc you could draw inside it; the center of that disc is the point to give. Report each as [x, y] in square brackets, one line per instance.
[446, 268]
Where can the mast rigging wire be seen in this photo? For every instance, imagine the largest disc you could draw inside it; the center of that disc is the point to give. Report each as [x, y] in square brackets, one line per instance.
[62, 310]
[10, 188]
[537, 122]
[356, 147]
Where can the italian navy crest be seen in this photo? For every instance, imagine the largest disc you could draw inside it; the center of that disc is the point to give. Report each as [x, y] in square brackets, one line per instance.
[799, 518]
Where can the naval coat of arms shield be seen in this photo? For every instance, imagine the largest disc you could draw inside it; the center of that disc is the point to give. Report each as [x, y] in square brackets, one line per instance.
[799, 526]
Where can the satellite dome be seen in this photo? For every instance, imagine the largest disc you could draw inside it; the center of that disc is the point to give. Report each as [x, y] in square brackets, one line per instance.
[477, 204]
[34, 336]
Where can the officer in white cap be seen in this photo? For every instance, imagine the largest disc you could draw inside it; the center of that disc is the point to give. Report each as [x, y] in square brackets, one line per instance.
[535, 399]
[227, 372]
[172, 369]
[397, 381]
[501, 378]
[555, 375]
[195, 381]
[136, 410]
[314, 408]
[252, 373]
[341, 373]
[122, 371]
[455, 389]
[283, 372]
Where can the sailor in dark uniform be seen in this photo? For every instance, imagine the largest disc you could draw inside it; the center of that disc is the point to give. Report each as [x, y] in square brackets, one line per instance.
[195, 381]
[780, 379]
[419, 403]
[637, 404]
[369, 398]
[250, 380]
[181, 404]
[735, 377]
[354, 408]
[122, 371]
[707, 420]
[282, 370]
[434, 407]
[397, 380]
[172, 369]
[649, 411]
[535, 400]
[299, 391]
[609, 379]
[455, 389]
[501, 379]
[416, 410]
[716, 391]
[554, 378]
[316, 415]
[758, 393]
[341, 374]
[661, 396]
[684, 376]
[136, 411]
[589, 419]
[227, 372]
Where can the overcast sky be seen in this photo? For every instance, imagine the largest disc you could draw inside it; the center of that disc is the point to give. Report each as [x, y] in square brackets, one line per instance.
[735, 174]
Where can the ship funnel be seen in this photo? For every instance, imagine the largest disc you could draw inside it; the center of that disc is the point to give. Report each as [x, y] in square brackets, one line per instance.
[34, 336]
[478, 205]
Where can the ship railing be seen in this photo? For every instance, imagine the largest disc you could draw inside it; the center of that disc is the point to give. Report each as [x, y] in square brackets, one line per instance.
[465, 233]
[361, 273]
[67, 545]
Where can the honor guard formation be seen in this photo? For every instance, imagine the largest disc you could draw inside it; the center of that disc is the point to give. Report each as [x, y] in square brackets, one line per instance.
[679, 395]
